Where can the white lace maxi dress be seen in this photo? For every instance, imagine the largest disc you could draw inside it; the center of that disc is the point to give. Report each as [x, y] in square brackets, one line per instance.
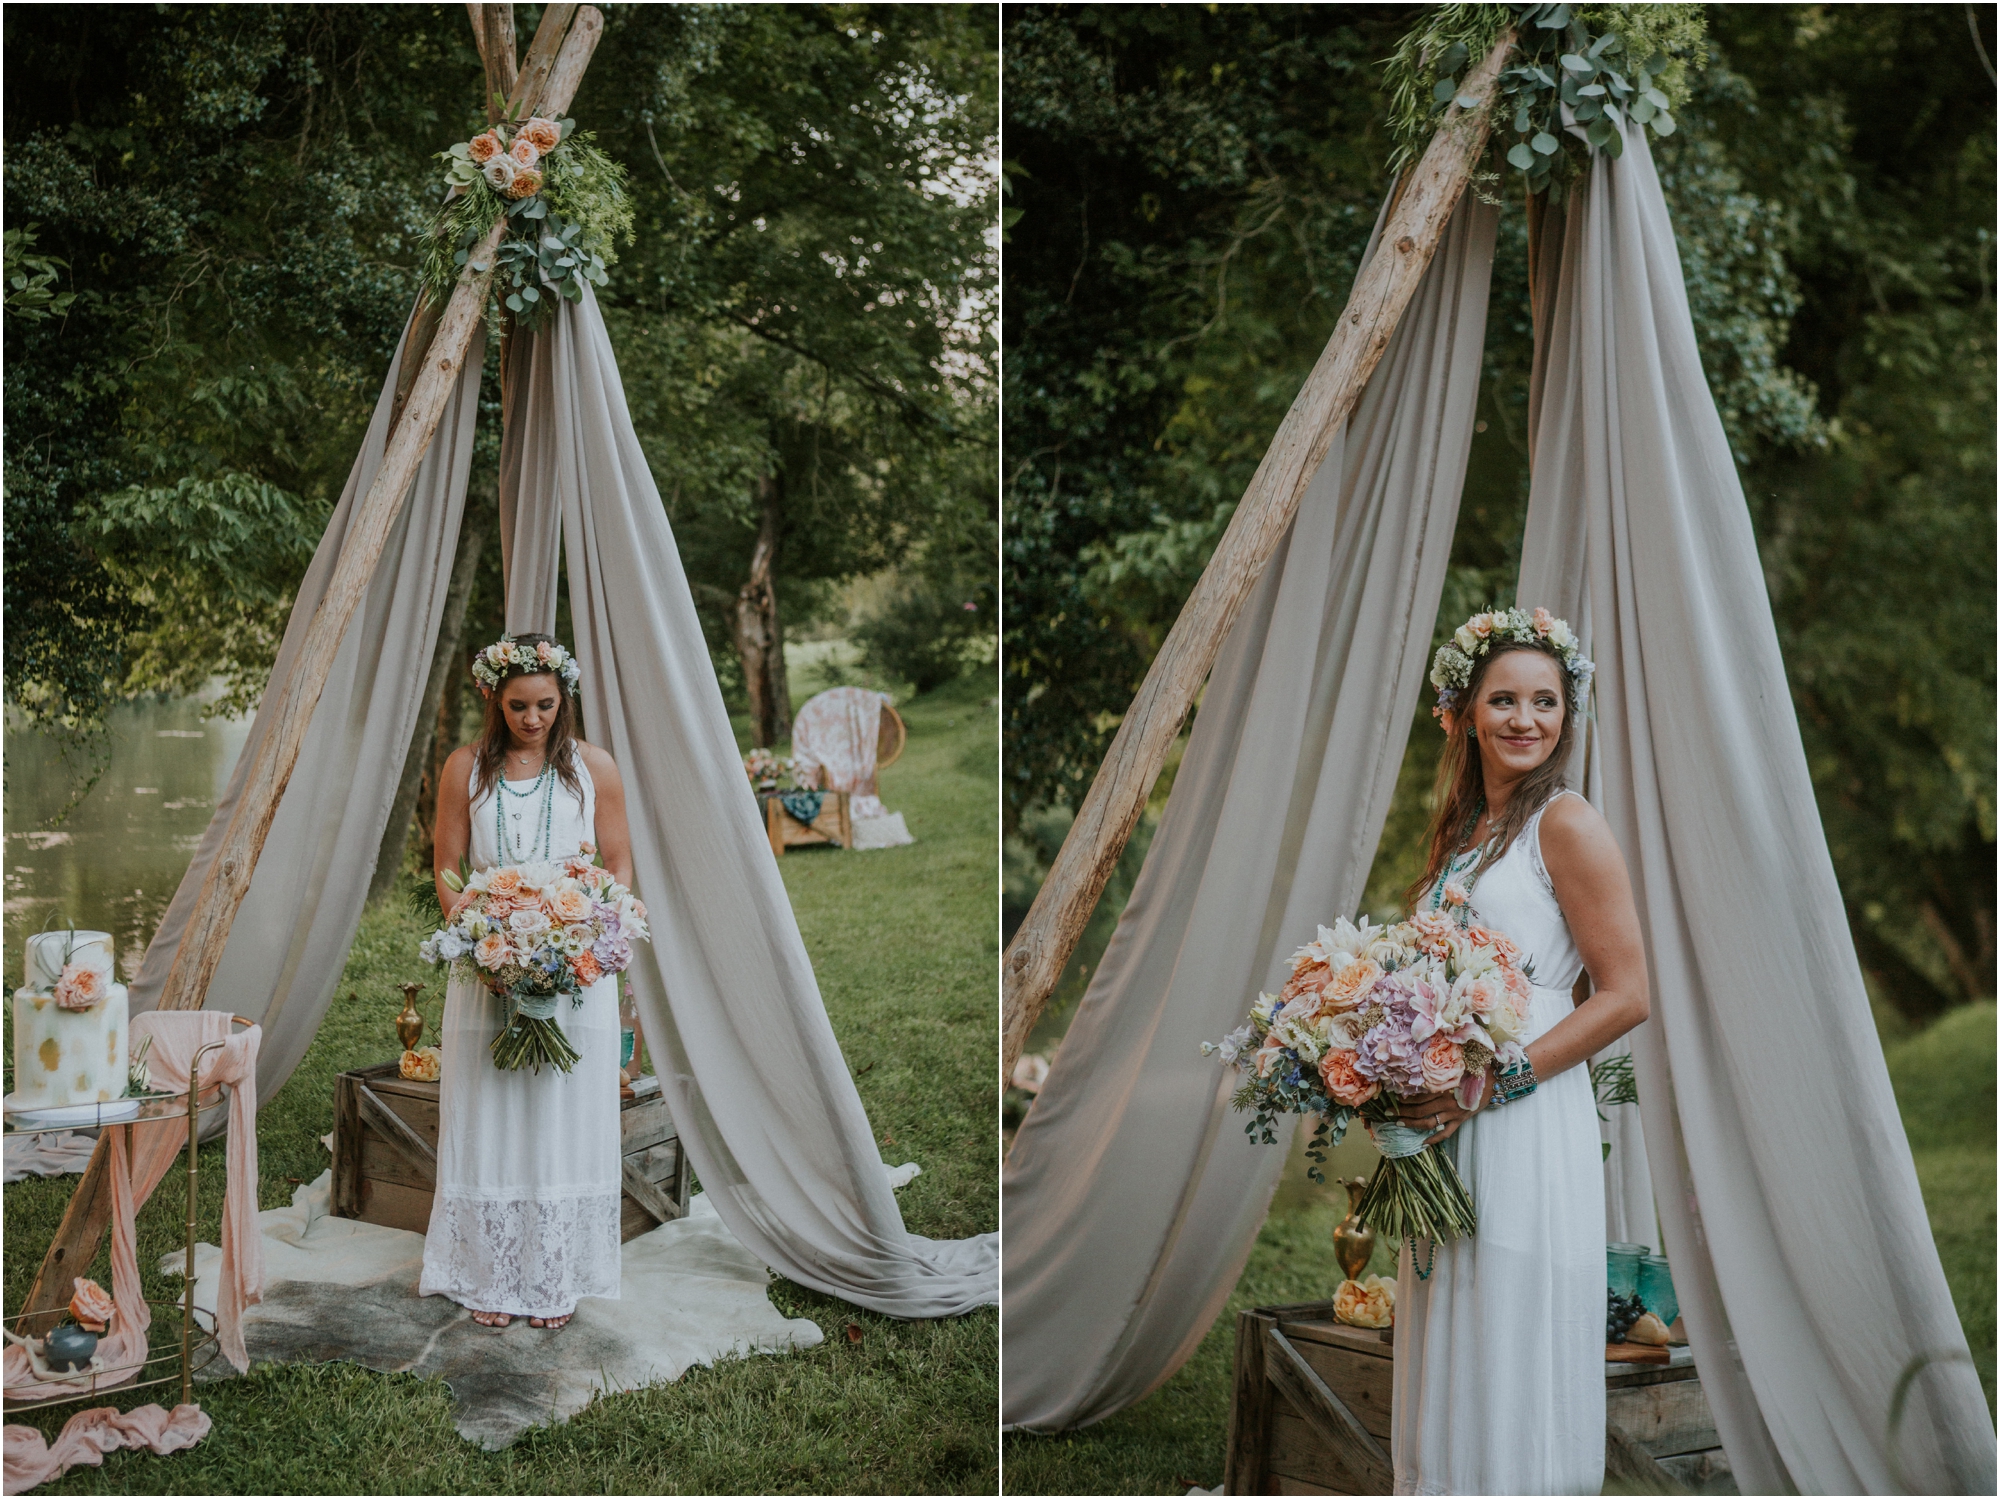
[525, 1219]
[1499, 1384]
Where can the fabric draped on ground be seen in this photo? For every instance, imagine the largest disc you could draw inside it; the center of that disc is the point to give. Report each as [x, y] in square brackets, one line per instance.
[89, 1434]
[733, 1018]
[1131, 1195]
[1801, 1249]
[338, 1288]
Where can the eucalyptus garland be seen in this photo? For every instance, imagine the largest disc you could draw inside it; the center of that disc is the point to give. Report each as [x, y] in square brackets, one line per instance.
[565, 200]
[1607, 65]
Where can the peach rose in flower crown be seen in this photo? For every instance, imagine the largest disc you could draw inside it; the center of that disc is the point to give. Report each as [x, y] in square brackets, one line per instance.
[546, 135]
[1343, 1082]
[485, 146]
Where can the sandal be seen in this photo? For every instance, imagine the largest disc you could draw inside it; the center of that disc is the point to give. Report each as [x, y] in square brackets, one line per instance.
[493, 1319]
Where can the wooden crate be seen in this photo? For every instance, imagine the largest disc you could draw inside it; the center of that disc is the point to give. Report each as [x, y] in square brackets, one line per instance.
[385, 1131]
[833, 825]
[1311, 1407]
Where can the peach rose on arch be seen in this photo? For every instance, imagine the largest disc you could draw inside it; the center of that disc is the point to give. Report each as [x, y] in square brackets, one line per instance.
[545, 135]
[526, 184]
[525, 155]
[485, 146]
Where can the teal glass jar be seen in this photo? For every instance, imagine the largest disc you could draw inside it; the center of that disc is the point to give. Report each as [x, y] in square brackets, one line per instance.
[1622, 1266]
[1656, 1288]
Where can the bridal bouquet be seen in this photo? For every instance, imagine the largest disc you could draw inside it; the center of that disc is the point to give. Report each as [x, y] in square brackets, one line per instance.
[533, 933]
[1372, 1015]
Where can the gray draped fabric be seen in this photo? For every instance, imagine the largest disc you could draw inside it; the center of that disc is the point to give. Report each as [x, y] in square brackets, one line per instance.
[1799, 1241]
[292, 932]
[1132, 1195]
[747, 1059]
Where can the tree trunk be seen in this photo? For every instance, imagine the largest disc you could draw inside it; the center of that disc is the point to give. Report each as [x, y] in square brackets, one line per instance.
[447, 666]
[760, 637]
[1416, 223]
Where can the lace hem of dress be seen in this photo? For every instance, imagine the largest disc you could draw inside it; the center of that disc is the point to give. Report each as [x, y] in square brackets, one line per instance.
[525, 1258]
[539, 1192]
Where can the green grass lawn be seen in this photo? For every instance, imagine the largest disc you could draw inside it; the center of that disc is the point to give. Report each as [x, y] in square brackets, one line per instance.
[1173, 1439]
[905, 946]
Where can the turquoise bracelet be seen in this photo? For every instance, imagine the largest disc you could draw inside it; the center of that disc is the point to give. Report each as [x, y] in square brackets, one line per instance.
[1515, 1083]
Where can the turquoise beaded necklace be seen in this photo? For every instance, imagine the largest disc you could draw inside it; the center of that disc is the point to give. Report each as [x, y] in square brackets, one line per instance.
[541, 841]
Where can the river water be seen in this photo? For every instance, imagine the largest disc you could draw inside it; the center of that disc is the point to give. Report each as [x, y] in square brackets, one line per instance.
[115, 861]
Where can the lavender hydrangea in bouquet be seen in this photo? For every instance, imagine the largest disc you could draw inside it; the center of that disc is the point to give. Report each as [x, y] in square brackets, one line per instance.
[534, 934]
[1373, 1015]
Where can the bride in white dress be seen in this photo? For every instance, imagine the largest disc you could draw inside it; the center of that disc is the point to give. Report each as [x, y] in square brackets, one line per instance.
[525, 1220]
[1499, 1382]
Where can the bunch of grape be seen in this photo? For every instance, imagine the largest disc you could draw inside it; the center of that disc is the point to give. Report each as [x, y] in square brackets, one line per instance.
[1619, 1315]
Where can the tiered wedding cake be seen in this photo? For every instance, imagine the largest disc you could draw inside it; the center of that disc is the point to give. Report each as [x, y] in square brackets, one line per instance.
[69, 1024]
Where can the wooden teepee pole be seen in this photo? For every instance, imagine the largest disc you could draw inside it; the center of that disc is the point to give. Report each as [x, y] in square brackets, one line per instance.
[1416, 225]
[438, 352]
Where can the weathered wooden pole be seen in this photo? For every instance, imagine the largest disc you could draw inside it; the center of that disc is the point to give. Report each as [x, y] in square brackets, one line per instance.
[435, 352]
[1416, 225]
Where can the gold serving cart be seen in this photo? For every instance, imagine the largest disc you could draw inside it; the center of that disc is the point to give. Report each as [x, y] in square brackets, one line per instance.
[182, 1358]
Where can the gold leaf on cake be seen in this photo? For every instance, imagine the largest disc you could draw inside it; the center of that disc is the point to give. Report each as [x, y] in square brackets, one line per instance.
[51, 1054]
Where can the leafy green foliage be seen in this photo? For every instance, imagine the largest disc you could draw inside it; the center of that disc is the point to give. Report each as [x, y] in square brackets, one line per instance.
[31, 277]
[1194, 191]
[244, 203]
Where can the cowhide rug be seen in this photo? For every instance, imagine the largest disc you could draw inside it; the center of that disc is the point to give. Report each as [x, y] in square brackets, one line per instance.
[338, 1289]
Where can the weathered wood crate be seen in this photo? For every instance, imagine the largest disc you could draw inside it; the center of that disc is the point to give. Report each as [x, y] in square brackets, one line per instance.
[385, 1131]
[1311, 1405]
[833, 825]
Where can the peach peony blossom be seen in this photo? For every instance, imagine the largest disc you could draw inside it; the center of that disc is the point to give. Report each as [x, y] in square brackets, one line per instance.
[546, 134]
[79, 987]
[490, 951]
[526, 184]
[485, 147]
[422, 1065]
[1443, 1061]
[1366, 1304]
[525, 155]
[91, 1306]
[1349, 987]
[1337, 1071]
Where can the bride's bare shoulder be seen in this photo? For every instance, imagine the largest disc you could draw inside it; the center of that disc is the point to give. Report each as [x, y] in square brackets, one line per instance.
[1574, 835]
[458, 764]
[598, 762]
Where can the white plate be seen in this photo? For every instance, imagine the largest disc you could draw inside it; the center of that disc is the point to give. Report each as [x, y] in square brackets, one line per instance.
[82, 1114]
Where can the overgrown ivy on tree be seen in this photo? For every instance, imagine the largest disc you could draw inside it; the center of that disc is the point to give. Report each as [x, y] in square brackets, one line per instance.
[232, 197]
[1189, 189]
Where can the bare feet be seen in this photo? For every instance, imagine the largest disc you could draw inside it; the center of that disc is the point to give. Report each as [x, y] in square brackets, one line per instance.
[492, 1319]
[551, 1323]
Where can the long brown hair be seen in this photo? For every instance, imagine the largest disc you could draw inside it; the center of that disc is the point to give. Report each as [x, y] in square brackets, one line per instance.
[490, 756]
[1461, 784]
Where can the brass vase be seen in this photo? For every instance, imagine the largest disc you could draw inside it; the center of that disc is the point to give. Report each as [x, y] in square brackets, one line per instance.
[410, 1024]
[1353, 1240]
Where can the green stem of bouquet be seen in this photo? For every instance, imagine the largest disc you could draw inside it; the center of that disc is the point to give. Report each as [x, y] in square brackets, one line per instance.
[1418, 1196]
[528, 1042]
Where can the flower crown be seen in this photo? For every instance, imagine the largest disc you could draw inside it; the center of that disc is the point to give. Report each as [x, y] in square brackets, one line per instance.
[1451, 668]
[505, 658]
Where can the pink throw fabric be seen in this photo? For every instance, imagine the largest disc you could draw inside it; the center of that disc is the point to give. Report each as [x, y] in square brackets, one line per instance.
[137, 1166]
[837, 730]
[88, 1435]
